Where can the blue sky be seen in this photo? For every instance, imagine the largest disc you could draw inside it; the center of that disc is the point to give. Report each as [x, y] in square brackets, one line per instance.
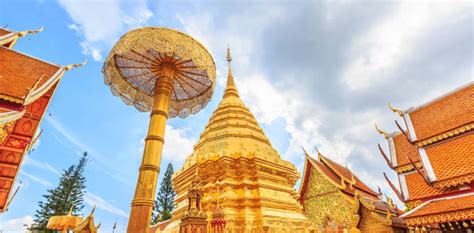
[314, 74]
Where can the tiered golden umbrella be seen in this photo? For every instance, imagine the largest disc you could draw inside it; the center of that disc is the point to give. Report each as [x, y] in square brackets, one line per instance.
[63, 223]
[169, 74]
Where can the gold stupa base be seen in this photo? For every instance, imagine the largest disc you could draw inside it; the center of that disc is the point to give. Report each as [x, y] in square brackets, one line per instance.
[268, 225]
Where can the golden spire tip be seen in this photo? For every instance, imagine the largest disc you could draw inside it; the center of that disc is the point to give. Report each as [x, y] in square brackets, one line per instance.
[228, 58]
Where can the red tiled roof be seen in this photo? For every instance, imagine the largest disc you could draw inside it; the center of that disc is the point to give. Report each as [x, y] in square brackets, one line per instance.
[20, 72]
[443, 114]
[403, 148]
[452, 158]
[331, 175]
[444, 205]
[346, 174]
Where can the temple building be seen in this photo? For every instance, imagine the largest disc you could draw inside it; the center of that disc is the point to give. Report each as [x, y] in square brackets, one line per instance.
[246, 185]
[333, 198]
[434, 161]
[27, 85]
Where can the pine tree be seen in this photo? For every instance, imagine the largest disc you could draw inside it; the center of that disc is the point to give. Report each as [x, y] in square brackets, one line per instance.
[164, 202]
[69, 193]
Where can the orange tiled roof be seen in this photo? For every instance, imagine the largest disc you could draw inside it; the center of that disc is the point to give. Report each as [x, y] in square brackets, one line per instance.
[20, 72]
[403, 148]
[443, 114]
[418, 189]
[4, 31]
[452, 158]
[445, 205]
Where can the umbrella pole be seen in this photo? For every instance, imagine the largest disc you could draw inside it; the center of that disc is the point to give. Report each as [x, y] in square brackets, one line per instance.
[143, 201]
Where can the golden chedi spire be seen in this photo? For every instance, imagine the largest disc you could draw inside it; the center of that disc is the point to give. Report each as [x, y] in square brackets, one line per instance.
[230, 89]
[240, 172]
[232, 128]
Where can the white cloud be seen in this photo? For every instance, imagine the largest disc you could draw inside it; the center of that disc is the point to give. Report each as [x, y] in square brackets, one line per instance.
[36, 179]
[100, 23]
[43, 165]
[95, 200]
[16, 224]
[376, 55]
[177, 145]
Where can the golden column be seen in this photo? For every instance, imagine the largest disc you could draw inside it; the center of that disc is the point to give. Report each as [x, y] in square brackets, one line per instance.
[169, 74]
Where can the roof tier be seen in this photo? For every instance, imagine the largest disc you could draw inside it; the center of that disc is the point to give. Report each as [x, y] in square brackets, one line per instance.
[452, 160]
[419, 189]
[404, 151]
[23, 75]
[457, 208]
[443, 114]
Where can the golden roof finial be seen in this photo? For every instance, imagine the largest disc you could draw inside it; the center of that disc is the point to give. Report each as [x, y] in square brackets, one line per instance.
[381, 132]
[319, 153]
[305, 152]
[398, 111]
[24, 33]
[70, 210]
[230, 89]
[68, 67]
[92, 212]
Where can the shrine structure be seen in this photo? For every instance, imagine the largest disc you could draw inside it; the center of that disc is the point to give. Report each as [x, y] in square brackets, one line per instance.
[27, 85]
[246, 185]
[434, 159]
[87, 225]
[334, 198]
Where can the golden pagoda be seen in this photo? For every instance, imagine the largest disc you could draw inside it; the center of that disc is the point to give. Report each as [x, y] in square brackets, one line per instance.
[239, 169]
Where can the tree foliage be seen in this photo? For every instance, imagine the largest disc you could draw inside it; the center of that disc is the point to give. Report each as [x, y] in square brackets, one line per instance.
[164, 202]
[69, 193]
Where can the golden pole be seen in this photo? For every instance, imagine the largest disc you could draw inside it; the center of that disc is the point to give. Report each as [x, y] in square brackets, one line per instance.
[143, 201]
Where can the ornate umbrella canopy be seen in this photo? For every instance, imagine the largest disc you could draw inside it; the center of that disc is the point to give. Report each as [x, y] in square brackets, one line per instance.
[134, 65]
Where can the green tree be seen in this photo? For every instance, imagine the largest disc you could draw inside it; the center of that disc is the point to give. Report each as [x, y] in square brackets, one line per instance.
[69, 193]
[164, 202]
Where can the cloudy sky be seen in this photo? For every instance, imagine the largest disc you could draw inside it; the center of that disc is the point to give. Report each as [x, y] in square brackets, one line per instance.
[315, 73]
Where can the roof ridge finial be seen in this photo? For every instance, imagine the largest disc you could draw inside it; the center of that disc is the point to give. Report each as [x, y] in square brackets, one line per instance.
[305, 152]
[381, 132]
[395, 110]
[230, 88]
[319, 153]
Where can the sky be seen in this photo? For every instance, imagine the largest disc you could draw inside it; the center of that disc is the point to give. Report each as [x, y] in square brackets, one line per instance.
[314, 73]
